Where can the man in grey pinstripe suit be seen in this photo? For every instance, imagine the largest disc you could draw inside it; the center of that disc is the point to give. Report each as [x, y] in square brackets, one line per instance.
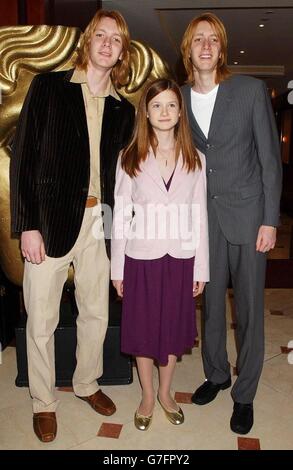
[233, 125]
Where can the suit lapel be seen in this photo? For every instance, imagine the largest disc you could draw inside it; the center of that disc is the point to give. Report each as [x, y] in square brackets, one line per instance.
[111, 118]
[74, 100]
[221, 107]
[195, 128]
[178, 173]
[150, 167]
[111, 129]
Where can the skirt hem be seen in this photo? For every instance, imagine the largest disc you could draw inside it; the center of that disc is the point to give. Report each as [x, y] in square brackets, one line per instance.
[161, 362]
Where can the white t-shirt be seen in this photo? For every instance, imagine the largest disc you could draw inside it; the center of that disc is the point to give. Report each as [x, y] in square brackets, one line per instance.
[202, 105]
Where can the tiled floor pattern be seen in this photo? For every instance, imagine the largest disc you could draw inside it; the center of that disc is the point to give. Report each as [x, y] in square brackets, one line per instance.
[247, 443]
[111, 430]
[205, 427]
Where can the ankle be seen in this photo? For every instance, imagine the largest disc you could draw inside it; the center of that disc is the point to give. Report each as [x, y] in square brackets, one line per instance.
[168, 400]
[148, 396]
[165, 395]
[145, 407]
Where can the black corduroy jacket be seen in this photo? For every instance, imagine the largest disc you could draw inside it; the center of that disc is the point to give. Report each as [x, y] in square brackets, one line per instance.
[50, 163]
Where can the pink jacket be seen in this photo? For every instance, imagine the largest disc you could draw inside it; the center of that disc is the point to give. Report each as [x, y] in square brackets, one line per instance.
[150, 221]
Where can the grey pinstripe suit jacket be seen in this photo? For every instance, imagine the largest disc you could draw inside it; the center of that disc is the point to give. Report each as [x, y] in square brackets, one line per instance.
[244, 171]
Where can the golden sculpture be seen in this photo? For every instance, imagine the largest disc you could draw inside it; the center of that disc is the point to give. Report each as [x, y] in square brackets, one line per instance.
[26, 51]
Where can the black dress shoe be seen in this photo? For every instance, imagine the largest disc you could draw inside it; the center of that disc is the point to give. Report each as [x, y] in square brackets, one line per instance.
[242, 418]
[208, 391]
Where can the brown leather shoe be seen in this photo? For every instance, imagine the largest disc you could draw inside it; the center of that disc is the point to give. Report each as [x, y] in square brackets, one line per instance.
[45, 426]
[100, 403]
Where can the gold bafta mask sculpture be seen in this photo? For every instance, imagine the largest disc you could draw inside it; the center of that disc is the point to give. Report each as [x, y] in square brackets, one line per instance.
[26, 51]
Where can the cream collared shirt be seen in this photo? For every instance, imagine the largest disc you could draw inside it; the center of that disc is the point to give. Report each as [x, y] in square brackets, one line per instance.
[94, 108]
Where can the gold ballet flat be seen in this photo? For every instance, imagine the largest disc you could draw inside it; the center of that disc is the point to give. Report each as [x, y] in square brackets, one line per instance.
[142, 422]
[174, 416]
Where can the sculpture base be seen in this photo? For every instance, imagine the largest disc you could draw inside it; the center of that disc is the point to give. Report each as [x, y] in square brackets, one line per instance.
[117, 366]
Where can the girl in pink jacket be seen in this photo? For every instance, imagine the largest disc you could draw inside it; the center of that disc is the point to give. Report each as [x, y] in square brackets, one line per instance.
[159, 243]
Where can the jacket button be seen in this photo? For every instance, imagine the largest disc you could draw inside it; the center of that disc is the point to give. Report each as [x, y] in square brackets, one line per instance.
[211, 170]
[208, 146]
[215, 196]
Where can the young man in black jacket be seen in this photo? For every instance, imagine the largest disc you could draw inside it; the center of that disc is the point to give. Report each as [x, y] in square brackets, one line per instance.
[70, 131]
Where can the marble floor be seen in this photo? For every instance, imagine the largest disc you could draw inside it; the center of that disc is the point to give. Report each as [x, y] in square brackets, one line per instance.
[205, 427]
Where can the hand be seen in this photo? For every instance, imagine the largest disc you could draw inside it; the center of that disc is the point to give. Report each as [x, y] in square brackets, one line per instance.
[119, 287]
[32, 246]
[198, 288]
[266, 238]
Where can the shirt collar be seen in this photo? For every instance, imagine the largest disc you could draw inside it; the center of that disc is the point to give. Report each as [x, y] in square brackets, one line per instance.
[79, 76]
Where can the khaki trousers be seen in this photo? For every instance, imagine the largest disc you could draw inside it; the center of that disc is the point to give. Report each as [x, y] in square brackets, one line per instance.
[42, 287]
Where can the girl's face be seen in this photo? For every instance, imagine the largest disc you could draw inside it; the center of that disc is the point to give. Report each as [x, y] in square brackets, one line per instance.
[163, 111]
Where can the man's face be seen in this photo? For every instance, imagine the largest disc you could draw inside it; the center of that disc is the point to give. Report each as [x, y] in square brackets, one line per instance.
[205, 48]
[106, 45]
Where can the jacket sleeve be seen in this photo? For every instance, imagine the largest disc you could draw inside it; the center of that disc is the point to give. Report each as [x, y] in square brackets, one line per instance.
[122, 217]
[268, 149]
[24, 161]
[201, 262]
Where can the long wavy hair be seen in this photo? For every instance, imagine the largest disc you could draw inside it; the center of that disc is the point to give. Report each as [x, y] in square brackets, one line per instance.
[222, 68]
[121, 70]
[144, 136]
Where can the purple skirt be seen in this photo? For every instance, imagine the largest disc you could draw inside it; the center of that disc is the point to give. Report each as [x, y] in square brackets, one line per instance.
[158, 313]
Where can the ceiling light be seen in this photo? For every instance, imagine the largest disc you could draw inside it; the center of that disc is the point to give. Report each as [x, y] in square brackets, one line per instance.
[235, 62]
[261, 25]
[242, 52]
